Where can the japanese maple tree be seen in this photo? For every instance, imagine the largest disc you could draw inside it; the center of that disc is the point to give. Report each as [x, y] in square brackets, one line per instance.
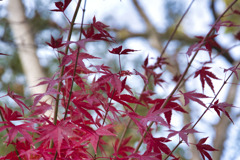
[94, 101]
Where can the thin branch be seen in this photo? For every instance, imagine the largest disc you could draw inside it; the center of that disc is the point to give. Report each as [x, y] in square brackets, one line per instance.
[62, 71]
[223, 124]
[224, 83]
[66, 51]
[182, 77]
[175, 29]
[75, 67]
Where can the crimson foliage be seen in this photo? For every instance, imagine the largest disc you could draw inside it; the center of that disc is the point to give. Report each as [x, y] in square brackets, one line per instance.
[97, 106]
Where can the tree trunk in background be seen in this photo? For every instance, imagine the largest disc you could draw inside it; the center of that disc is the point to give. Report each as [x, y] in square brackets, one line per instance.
[26, 47]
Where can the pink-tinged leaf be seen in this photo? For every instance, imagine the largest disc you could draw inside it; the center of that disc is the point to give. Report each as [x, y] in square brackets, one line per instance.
[42, 108]
[104, 130]
[117, 99]
[124, 148]
[209, 43]
[10, 115]
[101, 28]
[113, 79]
[157, 79]
[116, 83]
[130, 99]
[135, 118]
[203, 148]
[183, 133]
[88, 33]
[59, 132]
[95, 137]
[221, 107]
[170, 105]
[13, 129]
[56, 43]
[16, 98]
[155, 116]
[233, 69]
[193, 48]
[145, 97]
[29, 154]
[205, 76]
[38, 97]
[61, 7]
[157, 145]
[142, 76]
[192, 95]
[160, 62]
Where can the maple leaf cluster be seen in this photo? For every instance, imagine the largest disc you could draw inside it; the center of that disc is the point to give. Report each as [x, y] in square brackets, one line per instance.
[95, 109]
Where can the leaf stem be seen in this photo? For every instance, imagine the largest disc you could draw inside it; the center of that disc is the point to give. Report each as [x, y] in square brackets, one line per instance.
[175, 29]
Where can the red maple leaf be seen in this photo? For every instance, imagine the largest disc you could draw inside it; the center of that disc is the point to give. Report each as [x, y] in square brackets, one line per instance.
[192, 95]
[142, 76]
[40, 109]
[233, 69]
[183, 133]
[154, 116]
[101, 28]
[124, 148]
[9, 114]
[94, 136]
[160, 62]
[157, 145]
[61, 7]
[157, 79]
[118, 50]
[56, 43]
[16, 98]
[89, 32]
[203, 148]
[205, 76]
[59, 132]
[13, 129]
[135, 118]
[170, 105]
[221, 107]
[209, 43]
[111, 78]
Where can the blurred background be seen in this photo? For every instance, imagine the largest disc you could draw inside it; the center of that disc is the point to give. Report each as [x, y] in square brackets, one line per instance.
[26, 26]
